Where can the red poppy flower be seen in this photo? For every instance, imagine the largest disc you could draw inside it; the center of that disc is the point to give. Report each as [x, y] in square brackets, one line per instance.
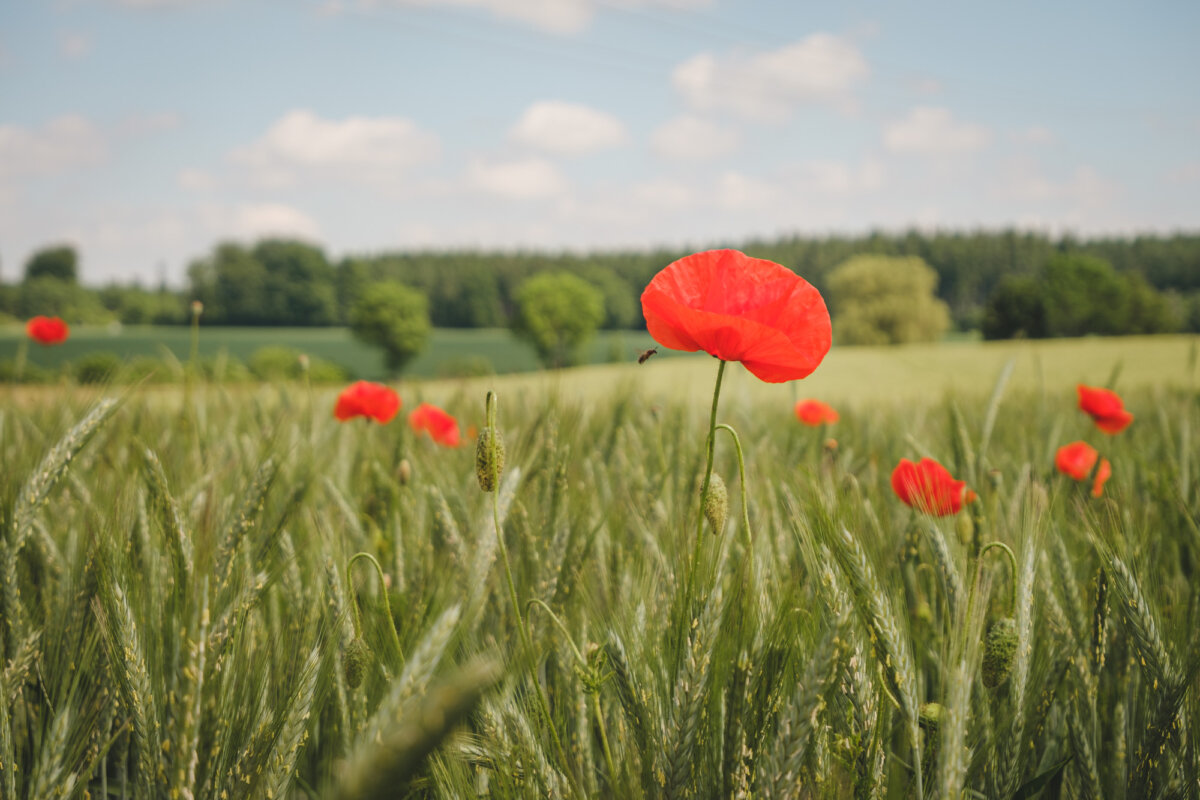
[1076, 459]
[366, 399]
[47, 330]
[1105, 407]
[739, 308]
[928, 487]
[441, 427]
[1103, 473]
[814, 412]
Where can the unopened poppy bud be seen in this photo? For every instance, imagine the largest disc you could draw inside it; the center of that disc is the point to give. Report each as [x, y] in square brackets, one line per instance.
[489, 458]
[716, 503]
[930, 716]
[404, 471]
[355, 662]
[964, 526]
[830, 445]
[999, 650]
[304, 362]
[197, 308]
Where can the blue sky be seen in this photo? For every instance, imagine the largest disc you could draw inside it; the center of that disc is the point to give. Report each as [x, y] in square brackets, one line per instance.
[144, 131]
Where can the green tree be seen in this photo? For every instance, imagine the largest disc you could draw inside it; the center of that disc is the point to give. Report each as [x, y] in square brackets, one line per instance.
[1084, 294]
[58, 298]
[1015, 309]
[395, 317]
[620, 302]
[59, 262]
[886, 300]
[298, 284]
[556, 313]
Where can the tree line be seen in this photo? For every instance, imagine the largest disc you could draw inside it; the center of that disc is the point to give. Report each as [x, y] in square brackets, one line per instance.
[995, 281]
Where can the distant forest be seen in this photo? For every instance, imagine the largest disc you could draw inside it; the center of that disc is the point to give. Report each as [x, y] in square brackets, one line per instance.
[290, 283]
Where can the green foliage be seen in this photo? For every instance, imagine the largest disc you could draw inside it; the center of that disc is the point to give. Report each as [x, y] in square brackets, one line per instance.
[881, 300]
[557, 312]
[53, 297]
[621, 306]
[1016, 309]
[97, 367]
[1083, 295]
[59, 262]
[1079, 295]
[276, 362]
[277, 282]
[394, 317]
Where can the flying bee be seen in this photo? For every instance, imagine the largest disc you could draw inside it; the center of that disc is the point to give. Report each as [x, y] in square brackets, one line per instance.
[646, 355]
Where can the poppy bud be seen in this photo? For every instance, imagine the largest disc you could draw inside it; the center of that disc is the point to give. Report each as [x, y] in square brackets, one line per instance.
[404, 471]
[355, 662]
[965, 527]
[830, 445]
[716, 503]
[930, 716]
[489, 458]
[999, 650]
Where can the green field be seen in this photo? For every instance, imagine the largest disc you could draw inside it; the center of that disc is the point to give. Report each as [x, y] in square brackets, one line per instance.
[180, 615]
[448, 350]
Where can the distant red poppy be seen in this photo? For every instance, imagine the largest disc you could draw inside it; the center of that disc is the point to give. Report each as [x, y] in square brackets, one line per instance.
[366, 399]
[47, 330]
[440, 426]
[1076, 460]
[814, 412]
[928, 487]
[1105, 407]
[1103, 473]
[739, 308]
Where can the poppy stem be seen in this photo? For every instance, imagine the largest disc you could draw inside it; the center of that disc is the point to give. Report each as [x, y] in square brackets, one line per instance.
[737, 445]
[710, 446]
[1012, 564]
[387, 605]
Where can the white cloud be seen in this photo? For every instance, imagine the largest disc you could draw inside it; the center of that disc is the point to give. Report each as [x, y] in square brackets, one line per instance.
[664, 193]
[827, 177]
[302, 145]
[1185, 173]
[525, 179]
[1034, 134]
[693, 138]
[67, 143]
[74, 45]
[551, 16]
[820, 68]
[254, 220]
[934, 131]
[1023, 180]
[149, 123]
[567, 128]
[737, 191]
[195, 180]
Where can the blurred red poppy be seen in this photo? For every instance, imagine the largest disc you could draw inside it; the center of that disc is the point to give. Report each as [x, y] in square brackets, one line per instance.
[928, 486]
[366, 399]
[440, 426]
[739, 308]
[47, 330]
[814, 412]
[1076, 460]
[1105, 407]
[1103, 473]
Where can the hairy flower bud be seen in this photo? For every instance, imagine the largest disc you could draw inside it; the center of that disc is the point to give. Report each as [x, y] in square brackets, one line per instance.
[716, 503]
[489, 458]
[355, 662]
[999, 650]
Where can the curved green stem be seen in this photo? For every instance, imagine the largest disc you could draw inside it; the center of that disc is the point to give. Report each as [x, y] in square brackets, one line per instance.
[1012, 563]
[737, 445]
[387, 604]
